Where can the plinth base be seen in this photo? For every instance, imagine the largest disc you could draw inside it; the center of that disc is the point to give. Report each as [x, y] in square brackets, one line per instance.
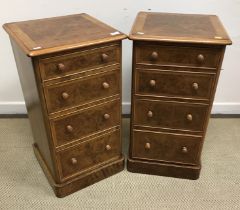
[163, 169]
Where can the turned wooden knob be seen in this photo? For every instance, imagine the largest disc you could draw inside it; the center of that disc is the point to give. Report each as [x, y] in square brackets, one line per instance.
[65, 95]
[152, 83]
[74, 161]
[104, 57]
[150, 114]
[147, 146]
[61, 67]
[69, 128]
[184, 149]
[106, 116]
[200, 58]
[189, 117]
[108, 147]
[105, 85]
[195, 86]
[154, 56]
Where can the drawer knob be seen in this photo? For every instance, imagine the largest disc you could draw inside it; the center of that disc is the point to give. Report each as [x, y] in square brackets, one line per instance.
[200, 58]
[195, 86]
[61, 67]
[152, 83]
[104, 57]
[108, 147]
[147, 146]
[65, 95]
[189, 117]
[105, 85]
[184, 149]
[154, 56]
[74, 161]
[150, 114]
[69, 128]
[106, 116]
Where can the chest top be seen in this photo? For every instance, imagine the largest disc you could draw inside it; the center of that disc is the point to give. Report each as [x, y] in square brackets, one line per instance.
[37, 37]
[152, 26]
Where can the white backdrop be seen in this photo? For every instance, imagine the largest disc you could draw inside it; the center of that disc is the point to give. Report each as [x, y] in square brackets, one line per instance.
[121, 14]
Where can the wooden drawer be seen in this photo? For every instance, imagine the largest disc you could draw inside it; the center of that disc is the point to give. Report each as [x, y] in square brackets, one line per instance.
[66, 64]
[174, 84]
[173, 115]
[83, 123]
[83, 90]
[178, 55]
[167, 147]
[88, 154]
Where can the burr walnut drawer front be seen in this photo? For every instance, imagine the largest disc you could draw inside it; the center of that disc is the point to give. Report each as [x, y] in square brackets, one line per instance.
[174, 115]
[167, 147]
[73, 63]
[174, 84]
[83, 90]
[178, 56]
[83, 123]
[88, 154]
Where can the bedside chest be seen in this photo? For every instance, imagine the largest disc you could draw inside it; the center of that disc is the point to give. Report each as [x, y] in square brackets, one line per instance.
[70, 72]
[176, 64]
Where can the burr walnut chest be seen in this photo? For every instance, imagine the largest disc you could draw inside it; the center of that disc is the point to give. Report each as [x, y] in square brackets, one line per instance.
[176, 65]
[70, 72]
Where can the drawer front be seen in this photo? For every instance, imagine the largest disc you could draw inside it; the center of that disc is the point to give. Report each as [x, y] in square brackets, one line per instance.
[166, 147]
[175, 84]
[81, 91]
[75, 126]
[183, 116]
[177, 55]
[90, 153]
[68, 64]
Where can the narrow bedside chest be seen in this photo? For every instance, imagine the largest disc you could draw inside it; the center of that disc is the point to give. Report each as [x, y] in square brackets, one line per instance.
[70, 72]
[176, 64]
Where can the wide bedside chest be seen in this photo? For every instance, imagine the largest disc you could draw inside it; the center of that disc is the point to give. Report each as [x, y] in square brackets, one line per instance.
[176, 65]
[70, 72]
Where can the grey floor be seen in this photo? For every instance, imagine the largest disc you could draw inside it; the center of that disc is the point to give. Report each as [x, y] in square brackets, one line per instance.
[24, 186]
